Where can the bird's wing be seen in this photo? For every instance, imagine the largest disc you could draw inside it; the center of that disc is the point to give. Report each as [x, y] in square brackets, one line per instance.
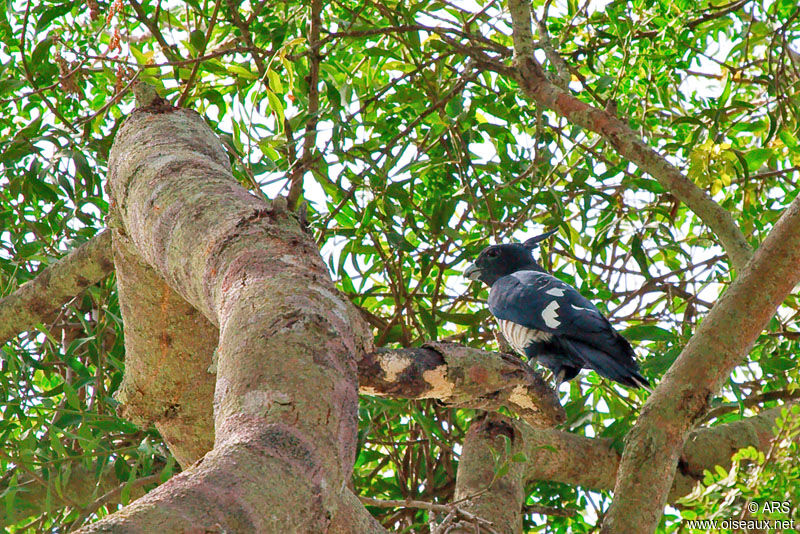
[545, 305]
[542, 302]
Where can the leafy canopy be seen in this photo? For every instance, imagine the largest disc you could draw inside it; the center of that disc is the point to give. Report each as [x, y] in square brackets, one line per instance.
[422, 156]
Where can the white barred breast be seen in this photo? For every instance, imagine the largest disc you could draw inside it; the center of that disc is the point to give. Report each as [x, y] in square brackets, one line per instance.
[519, 336]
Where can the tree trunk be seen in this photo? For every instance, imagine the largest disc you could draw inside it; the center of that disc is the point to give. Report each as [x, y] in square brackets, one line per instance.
[285, 403]
[490, 481]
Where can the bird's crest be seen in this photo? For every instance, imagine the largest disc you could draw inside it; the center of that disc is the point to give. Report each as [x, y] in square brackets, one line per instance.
[531, 243]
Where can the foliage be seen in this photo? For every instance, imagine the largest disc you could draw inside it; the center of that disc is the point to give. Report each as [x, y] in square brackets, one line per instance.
[413, 158]
[758, 485]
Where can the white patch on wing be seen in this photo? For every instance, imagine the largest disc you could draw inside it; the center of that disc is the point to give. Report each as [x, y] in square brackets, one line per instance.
[549, 315]
[582, 309]
[555, 292]
[519, 336]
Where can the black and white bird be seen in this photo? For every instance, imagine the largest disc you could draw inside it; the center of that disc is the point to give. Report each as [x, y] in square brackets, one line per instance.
[547, 320]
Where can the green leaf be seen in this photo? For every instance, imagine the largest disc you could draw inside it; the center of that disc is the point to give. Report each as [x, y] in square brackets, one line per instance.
[42, 51]
[639, 255]
[604, 83]
[10, 86]
[520, 457]
[788, 139]
[502, 470]
[242, 71]
[276, 106]
[645, 332]
[198, 40]
[274, 81]
[755, 158]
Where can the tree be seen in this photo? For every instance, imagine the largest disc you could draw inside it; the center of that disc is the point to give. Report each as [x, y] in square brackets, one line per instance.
[287, 221]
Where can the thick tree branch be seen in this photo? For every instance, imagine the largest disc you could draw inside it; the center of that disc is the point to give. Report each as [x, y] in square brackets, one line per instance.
[283, 328]
[168, 353]
[719, 344]
[592, 463]
[490, 494]
[535, 84]
[461, 376]
[56, 285]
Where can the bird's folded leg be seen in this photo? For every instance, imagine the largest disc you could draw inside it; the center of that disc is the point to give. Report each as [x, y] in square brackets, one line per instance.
[559, 378]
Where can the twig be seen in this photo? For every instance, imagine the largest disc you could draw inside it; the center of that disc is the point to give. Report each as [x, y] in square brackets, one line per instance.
[237, 21]
[29, 75]
[432, 507]
[177, 63]
[169, 51]
[749, 402]
[200, 52]
[310, 136]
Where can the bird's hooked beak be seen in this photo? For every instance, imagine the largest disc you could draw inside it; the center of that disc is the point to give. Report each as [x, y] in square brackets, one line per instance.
[472, 272]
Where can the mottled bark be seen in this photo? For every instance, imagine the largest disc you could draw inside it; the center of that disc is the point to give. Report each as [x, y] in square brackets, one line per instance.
[497, 499]
[591, 463]
[286, 394]
[461, 376]
[59, 282]
[720, 343]
[168, 353]
[534, 84]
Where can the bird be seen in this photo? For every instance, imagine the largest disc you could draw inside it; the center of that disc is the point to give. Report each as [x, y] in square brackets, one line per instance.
[548, 320]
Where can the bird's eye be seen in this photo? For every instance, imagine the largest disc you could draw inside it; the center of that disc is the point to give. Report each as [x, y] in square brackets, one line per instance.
[492, 253]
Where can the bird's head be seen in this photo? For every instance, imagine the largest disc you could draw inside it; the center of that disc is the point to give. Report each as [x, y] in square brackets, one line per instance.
[496, 261]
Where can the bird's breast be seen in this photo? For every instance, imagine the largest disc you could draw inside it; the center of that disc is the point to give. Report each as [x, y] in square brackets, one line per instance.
[519, 336]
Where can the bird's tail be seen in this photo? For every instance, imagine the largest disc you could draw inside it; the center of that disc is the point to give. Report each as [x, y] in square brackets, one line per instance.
[608, 366]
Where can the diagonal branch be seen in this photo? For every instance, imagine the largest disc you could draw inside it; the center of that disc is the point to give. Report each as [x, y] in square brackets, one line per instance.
[56, 285]
[310, 136]
[720, 343]
[552, 454]
[534, 84]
